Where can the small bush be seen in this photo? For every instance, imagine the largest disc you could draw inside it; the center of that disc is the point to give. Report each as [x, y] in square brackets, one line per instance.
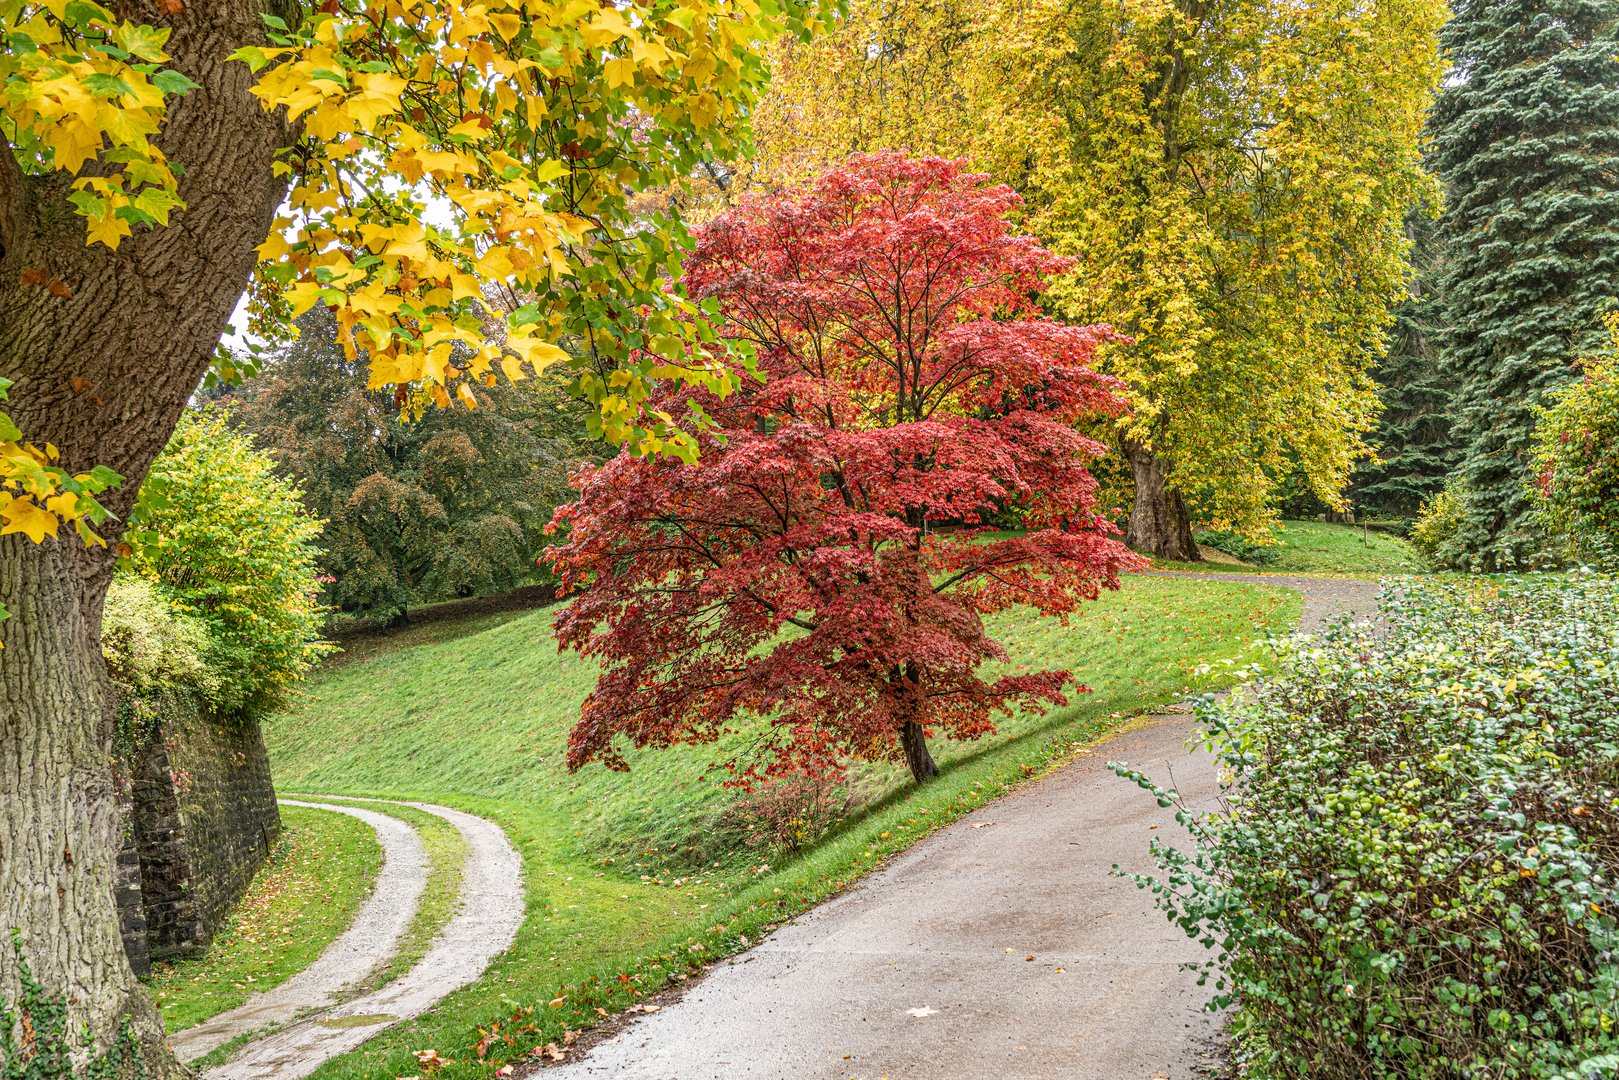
[148, 644]
[1414, 875]
[230, 544]
[786, 813]
[1577, 452]
[1238, 546]
[1438, 522]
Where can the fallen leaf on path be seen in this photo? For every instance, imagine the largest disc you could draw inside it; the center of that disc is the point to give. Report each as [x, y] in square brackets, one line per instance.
[982, 824]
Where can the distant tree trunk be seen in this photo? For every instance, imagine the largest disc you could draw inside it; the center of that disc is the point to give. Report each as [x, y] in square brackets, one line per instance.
[1159, 524]
[916, 752]
[102, 369]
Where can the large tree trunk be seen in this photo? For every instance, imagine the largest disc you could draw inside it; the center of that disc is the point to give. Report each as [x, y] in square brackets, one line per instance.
[59, 828]
[1159, 524]
[917, 757]
[103, 374]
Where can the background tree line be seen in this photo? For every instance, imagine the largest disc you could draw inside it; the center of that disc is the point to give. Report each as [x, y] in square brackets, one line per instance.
[449, 505]
[1348, 282]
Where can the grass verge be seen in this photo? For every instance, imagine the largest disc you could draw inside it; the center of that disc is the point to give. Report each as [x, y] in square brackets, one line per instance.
[1321, 548]
[627, 888]
[306, 895]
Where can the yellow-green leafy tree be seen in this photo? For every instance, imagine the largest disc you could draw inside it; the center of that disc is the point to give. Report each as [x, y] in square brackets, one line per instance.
[1231, 175]
[386, 158]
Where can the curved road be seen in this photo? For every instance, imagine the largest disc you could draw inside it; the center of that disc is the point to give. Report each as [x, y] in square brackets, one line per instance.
[1002, 945]
[312, 1021]
[368, 942]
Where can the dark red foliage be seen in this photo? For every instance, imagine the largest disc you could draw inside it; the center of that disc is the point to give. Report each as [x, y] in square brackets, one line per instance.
[797, 571]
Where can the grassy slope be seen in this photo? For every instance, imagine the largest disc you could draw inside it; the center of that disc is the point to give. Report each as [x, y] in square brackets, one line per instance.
[306, 895]
[1318, 547]
[626, 890]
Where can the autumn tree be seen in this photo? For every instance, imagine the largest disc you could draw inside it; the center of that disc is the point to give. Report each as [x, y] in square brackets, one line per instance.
[1231, 178]
[154, 153]
[904, 382]
[1576, 449]
[452, 504]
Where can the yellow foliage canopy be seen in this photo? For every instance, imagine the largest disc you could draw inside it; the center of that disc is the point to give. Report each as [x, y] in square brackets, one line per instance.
[1232, 176]
[440, 147]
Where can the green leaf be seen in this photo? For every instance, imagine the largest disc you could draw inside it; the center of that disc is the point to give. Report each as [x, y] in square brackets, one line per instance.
[173, 82]
[103, 85]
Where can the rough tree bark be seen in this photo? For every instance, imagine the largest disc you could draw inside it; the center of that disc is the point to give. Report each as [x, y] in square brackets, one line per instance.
[915, 742]
[104, 374]
[1159, 524]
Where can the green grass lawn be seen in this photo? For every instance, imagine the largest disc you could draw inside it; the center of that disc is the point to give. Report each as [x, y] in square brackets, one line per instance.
[1319, 547]
[628, 887]
[306, 895]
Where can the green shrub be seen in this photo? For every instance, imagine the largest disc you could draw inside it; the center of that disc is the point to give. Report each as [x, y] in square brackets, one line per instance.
[1413, 875]
[1438, 522]
[149, 645]
[230, 544]
[1577, 451]
[1238, 546]
[157, 657]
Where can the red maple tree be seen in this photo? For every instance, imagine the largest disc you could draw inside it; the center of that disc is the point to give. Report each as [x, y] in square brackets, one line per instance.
[904, 381]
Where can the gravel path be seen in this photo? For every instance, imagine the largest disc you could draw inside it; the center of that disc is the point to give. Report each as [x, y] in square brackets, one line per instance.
[489, 911]
[370, 941]
[1000, 946]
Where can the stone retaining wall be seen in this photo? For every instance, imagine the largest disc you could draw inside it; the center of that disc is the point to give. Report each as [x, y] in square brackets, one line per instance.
[201, 818]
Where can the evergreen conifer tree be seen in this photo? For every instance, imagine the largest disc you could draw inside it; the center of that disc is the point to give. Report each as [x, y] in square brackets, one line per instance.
[1526, 141]
[1414, 443]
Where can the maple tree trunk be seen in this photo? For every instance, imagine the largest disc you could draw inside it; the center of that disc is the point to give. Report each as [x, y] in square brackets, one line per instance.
[59, 827]
[1159, 524]
[916, 752]
[103, 365]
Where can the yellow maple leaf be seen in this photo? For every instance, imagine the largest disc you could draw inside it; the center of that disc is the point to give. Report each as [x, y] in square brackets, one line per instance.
[25, 516]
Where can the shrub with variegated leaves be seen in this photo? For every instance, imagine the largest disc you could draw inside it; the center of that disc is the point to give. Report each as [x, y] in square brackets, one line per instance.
[1415, 873]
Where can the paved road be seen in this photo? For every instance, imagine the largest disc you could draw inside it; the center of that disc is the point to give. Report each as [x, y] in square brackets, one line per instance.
[924, 972]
